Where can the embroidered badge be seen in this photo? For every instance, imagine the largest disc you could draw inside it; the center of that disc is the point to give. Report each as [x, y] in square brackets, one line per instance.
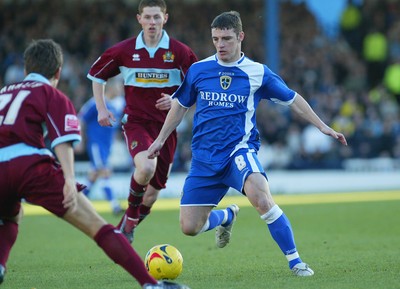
[225, 81]
[133, 145]
[71, 122]
[168, 56]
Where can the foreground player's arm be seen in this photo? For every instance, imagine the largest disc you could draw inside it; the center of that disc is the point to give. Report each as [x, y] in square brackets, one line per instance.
[65, 155]
[302, 108]
[79, 148]
[104, 115]
[173, 119]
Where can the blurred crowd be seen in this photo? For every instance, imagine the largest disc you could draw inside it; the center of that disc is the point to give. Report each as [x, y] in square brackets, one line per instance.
[352, 81]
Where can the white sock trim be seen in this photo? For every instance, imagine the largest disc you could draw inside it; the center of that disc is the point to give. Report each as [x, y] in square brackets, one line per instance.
[205, 227]
[225, 217]
[272, 215]
[293, 256]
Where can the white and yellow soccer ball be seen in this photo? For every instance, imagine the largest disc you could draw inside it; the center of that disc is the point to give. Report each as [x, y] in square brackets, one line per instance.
[164, 262]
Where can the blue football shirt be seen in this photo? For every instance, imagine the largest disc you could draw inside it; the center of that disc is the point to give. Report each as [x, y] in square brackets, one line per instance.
[226, 97]
[96, 135]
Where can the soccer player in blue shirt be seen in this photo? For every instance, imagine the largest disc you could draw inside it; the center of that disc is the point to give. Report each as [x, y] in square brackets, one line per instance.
[227, 88]
[99, 140]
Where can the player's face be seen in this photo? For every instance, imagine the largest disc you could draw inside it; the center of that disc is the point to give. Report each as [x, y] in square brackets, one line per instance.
[227, 43]
[152, 20]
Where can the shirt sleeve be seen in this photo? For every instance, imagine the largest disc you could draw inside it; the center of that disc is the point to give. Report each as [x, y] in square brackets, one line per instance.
[186, 92]
[105, 67]
[275, 89]
[61, 121]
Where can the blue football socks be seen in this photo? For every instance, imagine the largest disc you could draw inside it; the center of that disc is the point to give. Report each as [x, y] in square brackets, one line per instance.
[281, 231]
[216, 218]
[109, 194]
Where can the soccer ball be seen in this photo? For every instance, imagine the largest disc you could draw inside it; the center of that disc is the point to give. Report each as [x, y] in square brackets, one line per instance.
[164, 262]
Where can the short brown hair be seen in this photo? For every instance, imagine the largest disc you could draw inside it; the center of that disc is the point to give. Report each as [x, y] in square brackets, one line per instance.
[152, 3]
[43, 56]
[228, 20]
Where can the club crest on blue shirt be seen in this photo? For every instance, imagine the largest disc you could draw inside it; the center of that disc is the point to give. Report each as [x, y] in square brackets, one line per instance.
[225, 81]
[168, 56]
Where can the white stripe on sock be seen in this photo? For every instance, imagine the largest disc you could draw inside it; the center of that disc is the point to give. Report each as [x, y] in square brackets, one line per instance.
[293, 256]
[272, 215]
[225, 217]
[205, 227]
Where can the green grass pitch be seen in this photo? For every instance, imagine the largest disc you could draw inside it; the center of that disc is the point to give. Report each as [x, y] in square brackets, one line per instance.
[350, 240]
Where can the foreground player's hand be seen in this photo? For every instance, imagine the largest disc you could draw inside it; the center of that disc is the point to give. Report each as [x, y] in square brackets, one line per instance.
[70, 194]
[336, 135]
[164, 103]
[154, 150]
[104, 117]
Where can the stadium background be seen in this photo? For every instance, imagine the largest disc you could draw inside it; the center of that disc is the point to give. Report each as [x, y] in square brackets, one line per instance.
[344, 59]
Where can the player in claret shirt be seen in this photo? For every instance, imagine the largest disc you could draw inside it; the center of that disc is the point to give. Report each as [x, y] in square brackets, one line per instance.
[28, 111]
[152, 66]
[227, 88]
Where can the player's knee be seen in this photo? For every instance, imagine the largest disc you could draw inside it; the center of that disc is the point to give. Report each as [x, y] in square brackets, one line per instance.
[188, 229]
[147, 170]
[189, 232]
[104, 173]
